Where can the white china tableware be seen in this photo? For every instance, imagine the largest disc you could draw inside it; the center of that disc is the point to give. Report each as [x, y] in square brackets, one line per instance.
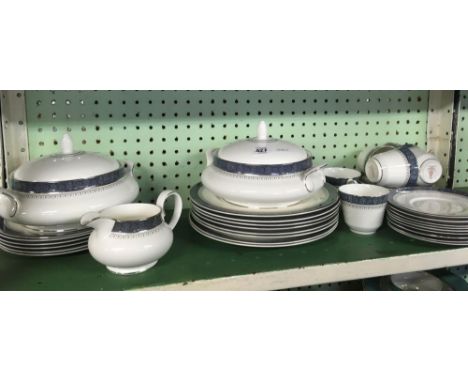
[271, 243]
[426, 238]
[269, 225]
[368, 152]
[448, 204]
[363, 207]
[131, 238]
[318, 201]
[339, 176]
[59, 189]
[259, 234]
[262, 172]
[405, 166]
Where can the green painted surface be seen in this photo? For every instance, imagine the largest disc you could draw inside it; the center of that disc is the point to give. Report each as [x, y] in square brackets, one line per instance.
[461, 152]
[194, 257]
[167, 132]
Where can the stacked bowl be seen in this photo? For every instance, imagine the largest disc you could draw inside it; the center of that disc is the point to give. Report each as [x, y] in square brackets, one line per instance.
[263, 192]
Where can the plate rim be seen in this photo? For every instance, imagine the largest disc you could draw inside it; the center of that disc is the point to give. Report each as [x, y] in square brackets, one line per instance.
[391, 200]
[333, 198]
[256, 245]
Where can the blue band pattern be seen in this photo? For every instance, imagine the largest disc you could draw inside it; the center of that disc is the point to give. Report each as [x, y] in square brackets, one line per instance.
[67, 185]
[414, 169]
[133, 226]
[262, 169]
[365, 200]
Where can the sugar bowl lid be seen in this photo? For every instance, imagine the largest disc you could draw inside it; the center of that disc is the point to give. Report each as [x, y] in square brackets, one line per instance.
[262, 150]
[66, 165]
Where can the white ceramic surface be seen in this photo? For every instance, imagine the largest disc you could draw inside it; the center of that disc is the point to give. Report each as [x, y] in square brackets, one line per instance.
[131, 252]
[392, 169]
[262, 150]
[324, 197]
[66, 207]
[432, 202]
[339, 176]
[363, 216]
[67, 165]
[276, 244]
[365, 154]
[261, 191]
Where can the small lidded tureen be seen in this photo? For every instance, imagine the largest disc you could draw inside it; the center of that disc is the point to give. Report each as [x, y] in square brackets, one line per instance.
[58, 189]
[262, 172]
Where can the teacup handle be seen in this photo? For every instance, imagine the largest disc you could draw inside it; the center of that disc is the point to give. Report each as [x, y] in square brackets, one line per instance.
[177, 209]
[352, 181]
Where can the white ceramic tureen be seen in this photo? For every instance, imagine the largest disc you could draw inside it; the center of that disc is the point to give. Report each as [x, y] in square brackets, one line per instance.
[262, 172]
[59, 189]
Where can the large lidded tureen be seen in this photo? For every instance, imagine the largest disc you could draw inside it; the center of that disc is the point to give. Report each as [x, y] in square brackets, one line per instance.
[262, 172]
[59, 189]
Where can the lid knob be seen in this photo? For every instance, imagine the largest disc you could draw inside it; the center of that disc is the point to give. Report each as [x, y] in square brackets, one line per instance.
[262, 131]
[66, 144]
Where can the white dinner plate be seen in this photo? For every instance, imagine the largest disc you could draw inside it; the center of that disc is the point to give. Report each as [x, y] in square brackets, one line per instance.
[445, 235]
[425, 238]
[277, 244]
[318, 201]
[426, 218]
[459, 230]
[268, 224]
[39, 245]
[262, 236]
[45, 253]
[448, 204]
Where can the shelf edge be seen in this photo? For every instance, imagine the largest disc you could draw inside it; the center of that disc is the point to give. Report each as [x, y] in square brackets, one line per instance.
[327, 273]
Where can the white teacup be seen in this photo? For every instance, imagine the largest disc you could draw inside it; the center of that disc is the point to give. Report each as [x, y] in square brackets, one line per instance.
[406, 166]
[363, 207]
[339, 176]
[365, 154]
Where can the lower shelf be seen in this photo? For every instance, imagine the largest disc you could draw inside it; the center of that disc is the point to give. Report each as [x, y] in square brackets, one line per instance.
[197, 263]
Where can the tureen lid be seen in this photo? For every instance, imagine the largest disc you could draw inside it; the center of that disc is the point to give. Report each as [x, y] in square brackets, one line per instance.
[262, 150]
[65, 166]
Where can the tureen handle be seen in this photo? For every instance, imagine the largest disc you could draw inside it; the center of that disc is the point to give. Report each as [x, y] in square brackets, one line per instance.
[262, 131]
[314, 179]
[210, 154]
[8, 204]
[177, 208]
[66, 144]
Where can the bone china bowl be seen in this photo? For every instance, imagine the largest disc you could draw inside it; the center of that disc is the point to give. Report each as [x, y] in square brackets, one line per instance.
[363, 207]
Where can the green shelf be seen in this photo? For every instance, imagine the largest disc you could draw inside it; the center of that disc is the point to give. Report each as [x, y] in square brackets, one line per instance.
[195, 262]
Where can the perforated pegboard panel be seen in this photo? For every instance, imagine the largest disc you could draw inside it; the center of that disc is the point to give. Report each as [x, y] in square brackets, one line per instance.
[166, 132]
[460, 175]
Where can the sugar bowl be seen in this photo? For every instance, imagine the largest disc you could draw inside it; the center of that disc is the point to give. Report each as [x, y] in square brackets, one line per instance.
[131, 238]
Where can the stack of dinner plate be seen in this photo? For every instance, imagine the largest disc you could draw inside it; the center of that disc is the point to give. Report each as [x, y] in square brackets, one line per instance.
[436, 216]
[25, 240]
[308, 220]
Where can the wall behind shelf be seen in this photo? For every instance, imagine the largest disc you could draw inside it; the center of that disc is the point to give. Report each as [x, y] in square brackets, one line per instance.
[166, 132]
[461, 153]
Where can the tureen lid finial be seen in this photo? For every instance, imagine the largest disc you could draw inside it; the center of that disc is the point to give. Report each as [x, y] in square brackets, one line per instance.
[262, 131]
[66, 144]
